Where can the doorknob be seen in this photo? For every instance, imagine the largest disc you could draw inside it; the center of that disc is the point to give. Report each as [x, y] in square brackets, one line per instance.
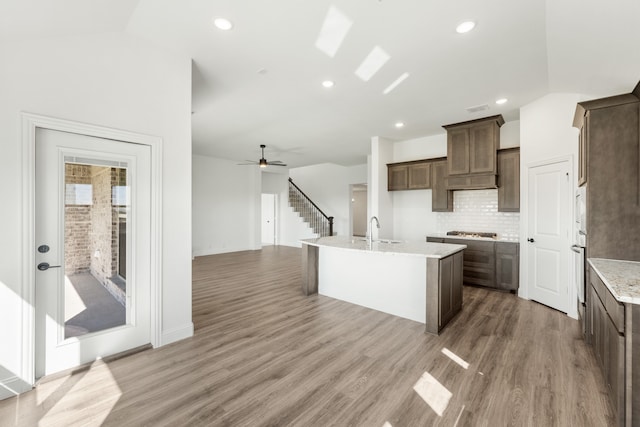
[43, 266]
[530, 240]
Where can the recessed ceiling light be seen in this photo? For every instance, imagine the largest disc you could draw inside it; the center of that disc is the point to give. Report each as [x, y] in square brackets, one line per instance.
[222, 24]
[328, 84]
[399, 124]
[465, 27]
[501, 101]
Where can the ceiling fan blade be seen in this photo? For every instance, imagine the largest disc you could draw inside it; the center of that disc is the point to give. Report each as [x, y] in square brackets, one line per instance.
[276, 164]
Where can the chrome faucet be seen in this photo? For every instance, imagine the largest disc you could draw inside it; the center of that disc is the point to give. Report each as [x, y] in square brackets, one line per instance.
[371, 228]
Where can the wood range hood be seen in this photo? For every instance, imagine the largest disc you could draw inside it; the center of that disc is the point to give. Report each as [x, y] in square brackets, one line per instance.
[472, 148]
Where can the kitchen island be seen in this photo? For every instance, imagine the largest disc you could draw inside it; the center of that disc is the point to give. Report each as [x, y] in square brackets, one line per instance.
[417, 281]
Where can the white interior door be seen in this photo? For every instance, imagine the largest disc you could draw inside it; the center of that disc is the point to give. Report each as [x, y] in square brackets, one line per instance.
[92, 234]
[548, 234]
[268, 219]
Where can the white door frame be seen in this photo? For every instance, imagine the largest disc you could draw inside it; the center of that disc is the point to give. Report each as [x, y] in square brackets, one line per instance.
[29, 123]
[523, 290]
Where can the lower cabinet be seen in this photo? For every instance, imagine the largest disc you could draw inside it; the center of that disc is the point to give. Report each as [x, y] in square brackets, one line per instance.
[490, 264]
[507, 266]
[445, 300]
[607, 342]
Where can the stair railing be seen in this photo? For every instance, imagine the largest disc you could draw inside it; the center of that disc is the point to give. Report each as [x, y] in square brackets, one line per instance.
[320, 222]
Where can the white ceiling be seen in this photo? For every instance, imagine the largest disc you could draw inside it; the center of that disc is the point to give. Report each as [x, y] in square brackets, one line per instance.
[520, 50]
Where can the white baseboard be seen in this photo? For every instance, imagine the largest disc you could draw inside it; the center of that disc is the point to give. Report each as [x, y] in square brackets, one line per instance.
[12, 386]
[176, 334]
[216, 251]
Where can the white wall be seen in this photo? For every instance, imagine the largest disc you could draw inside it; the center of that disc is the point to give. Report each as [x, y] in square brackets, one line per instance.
[112, 80]
[380, 199]
[546, 133]
[327, 185]
[290, 228]
[226, 206]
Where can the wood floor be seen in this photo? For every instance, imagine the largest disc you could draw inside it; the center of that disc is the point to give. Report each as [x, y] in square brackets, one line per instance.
[265, 355]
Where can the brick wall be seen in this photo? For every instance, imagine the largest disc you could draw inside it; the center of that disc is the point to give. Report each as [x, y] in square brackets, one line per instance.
[103, 264]
[77, 244]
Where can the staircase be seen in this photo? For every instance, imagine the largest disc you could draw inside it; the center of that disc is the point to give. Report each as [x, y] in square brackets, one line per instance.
[320, 223]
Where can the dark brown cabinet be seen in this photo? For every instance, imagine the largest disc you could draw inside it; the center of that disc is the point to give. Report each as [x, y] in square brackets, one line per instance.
[471, 153]
[409, 175]
[507, 266]
[509, 180]
[610, 165]
[606, 336]
[419, 176]
[486, 263]
[397, 177]
[447, 273]
[441, 198]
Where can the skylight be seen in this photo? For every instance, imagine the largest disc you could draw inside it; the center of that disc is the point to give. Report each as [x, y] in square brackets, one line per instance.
[334, 29]
[372, 63]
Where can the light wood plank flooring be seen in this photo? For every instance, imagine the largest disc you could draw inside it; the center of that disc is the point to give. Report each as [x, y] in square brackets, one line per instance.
[265, 355]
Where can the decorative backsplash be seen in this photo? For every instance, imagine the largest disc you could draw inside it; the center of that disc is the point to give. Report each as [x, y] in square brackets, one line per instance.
[477, 210]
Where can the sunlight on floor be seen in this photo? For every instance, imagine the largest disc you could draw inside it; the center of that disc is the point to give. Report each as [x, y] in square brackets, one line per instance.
[387, 424]
[107, 395]
[433, 393]
[73, 304]
[451, 355]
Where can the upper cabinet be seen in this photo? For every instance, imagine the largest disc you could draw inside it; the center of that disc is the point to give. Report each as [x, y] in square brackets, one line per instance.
[610, 166]
[509, 180]
[441, 198]
[409, 175]
[397, 177]
[471, 153]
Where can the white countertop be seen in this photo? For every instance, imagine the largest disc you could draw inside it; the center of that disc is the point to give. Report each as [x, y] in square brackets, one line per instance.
[428, 250]
[622, 278]
[486, 239]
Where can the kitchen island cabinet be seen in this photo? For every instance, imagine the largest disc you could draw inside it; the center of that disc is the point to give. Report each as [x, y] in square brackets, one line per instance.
[416, 281]
[613, 332]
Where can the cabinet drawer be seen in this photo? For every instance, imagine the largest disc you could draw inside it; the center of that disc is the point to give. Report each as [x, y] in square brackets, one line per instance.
[473, 245]
[614, 309]
[507, 248]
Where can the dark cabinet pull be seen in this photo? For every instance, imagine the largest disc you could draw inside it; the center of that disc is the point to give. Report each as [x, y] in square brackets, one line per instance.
[530, 240]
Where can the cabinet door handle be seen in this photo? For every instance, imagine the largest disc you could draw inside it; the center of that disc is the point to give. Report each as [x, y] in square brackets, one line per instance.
[530, 240]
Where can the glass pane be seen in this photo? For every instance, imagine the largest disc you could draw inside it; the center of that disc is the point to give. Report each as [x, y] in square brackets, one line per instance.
[96, 210]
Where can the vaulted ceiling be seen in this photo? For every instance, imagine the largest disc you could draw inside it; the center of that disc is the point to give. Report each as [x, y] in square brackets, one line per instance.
[260, 82]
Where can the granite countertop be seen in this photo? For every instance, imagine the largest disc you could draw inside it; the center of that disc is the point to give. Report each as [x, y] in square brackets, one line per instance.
[622, 278]
[486, 239]
[390, 247]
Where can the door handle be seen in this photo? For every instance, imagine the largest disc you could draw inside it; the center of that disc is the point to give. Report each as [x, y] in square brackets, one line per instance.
[577, 249]
[43, 266]
[530, 240]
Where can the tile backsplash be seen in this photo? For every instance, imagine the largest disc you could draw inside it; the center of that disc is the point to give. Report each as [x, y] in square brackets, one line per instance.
[477, 210]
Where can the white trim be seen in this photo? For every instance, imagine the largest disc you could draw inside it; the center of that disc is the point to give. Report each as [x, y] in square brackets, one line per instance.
[29, 123]
[523, 291]
[12, 386]
[177, 334]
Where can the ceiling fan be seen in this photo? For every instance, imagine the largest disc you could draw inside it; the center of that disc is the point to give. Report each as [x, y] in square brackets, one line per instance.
[263, 163]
